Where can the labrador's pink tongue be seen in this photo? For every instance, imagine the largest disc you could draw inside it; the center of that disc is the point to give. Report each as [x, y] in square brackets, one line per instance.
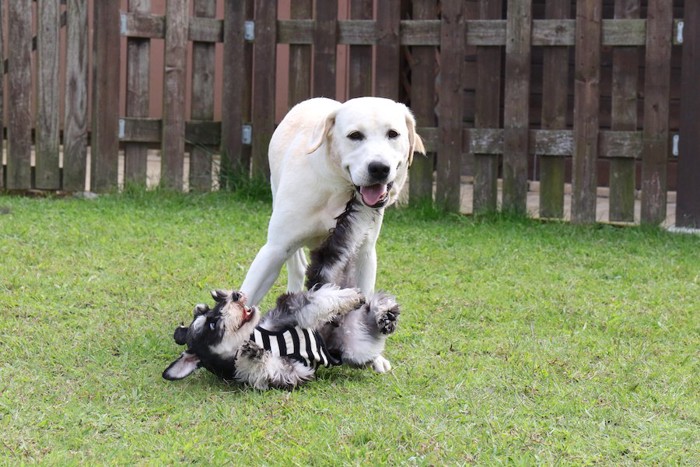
[372, 194]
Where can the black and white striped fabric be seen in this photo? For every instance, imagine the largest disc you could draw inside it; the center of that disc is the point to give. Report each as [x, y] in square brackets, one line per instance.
[303, 345]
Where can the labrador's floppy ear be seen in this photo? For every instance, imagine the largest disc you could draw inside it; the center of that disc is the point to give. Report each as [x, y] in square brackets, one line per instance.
[182, 367]
[415, 141]
[322, 132]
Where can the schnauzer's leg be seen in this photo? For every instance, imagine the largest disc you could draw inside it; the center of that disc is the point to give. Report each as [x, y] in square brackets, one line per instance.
[262, 370]
[327, 302]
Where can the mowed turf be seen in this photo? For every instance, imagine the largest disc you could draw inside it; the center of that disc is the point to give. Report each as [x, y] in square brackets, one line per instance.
[519, 342]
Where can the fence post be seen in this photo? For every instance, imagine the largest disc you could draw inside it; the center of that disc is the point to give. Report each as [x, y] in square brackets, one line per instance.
[264, 102]
[688, 201]
[203, 58]
[657, 93]
[387, 74]
[325, 40]
[300, 58]
[2, 92]
[517, 105]
[236, 69]
[624, 118]
[19, 125]
[46, 173]
[360, 62]
[555, 79]
[137, 97]
[487, 113]
[76, 98]
[450, 105]
[422, 104]
[586, 108]
[105, 97]
[173, 131]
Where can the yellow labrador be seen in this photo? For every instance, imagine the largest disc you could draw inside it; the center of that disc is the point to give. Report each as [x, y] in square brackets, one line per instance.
[322, 155]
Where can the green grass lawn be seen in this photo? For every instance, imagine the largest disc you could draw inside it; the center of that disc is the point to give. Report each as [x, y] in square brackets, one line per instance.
[519, 342]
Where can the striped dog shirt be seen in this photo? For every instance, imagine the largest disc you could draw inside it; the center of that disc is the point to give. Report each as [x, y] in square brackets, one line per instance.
[304, 345]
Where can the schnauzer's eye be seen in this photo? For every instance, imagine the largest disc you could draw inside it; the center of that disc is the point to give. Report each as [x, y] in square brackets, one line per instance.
[392, 134]
[356, 136]
[212, 323]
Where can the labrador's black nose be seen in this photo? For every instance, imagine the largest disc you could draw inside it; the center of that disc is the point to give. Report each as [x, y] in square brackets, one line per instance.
[378, 170]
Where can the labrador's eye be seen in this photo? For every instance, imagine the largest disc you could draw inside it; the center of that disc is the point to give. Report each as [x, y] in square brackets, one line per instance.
[356, 136]
[392, 134]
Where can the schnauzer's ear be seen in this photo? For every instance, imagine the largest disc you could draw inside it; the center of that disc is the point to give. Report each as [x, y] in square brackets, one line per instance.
[182, 367]
[219, 295]
[180, 335]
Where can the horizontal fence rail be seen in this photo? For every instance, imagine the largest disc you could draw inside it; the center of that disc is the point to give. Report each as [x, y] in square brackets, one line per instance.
[504, 92]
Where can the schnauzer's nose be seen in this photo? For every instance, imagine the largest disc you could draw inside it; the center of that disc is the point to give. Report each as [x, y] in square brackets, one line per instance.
[378, 170]
[235, 296]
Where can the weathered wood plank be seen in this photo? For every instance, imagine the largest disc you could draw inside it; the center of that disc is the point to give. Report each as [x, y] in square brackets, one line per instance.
[235, 70]
[388, 64]
[19, 123]
[2, 91]
[144, 25]
[487, 114]
[203, 64]
[586, 111]
[137, 96]
[657, 92]
[450, 105]
[325, 28]
[149, 131]
[300, 58]
[75, 124]
[173, 143]
[105, 95]
[46, 172]
[555, 81]
[688, 201]
[624, 117]
[423, 106]
[360, 56]
[516, 105]
[264, 102]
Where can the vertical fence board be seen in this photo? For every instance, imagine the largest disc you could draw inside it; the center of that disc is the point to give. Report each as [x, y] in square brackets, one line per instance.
[234, 70]
[300, 58]
[2, 94]
[76, 98]
[422, 104]
[360, 61]
[450, 104]
[688, 201]
[105, 97]
[657, 93]
[203, 58]
[46, 173]
[516, 105]
[624, 117]
[137, 97]
[173, 139]
[487, 113]
[264, 102]
[388, 63]
[19, 124]
[325, 39]
[555, 78]
[586, 111]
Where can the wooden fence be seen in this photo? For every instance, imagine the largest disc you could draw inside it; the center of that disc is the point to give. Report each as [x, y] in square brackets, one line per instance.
[505, 91]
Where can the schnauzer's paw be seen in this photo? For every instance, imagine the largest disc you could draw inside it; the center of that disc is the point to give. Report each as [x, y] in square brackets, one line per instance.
[200, 309]
[251, 350]
[381, 365]
[349, 299]
[387, 321]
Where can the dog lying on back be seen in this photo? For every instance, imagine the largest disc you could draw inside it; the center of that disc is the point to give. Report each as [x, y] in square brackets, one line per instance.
[326, 325]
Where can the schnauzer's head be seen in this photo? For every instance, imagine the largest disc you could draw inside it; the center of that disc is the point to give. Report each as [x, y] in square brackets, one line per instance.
[214, 336]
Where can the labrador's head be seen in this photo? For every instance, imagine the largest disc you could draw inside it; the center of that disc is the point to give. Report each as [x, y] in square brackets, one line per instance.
[372, 140]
